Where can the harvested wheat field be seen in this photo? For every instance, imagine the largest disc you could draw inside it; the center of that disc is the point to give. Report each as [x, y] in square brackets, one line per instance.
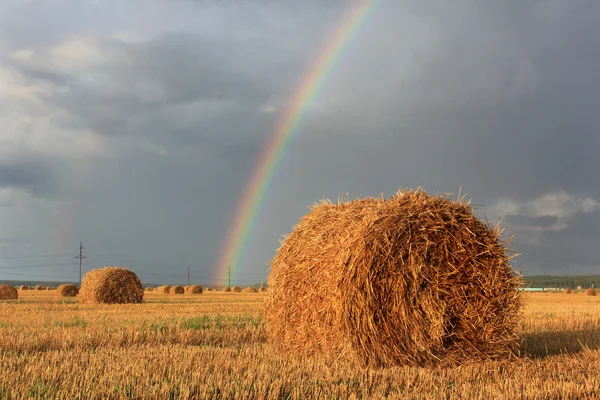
[216, 346]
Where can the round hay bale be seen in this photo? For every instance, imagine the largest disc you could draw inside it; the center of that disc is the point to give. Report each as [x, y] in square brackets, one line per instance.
[23, 287]
[226, 289]
[67, 290]
[177, 289]
[38, 287]
[163, 289]
[567, 291]
[263, 289]
[149, 289]
[413, 280]
[194, 289]
[590, 292]
[250, 289]
[236, 289]
[8, 292]
[111, 285]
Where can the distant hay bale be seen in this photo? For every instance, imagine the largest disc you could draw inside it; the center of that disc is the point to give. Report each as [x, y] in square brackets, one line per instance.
[38, 287]
[236, 289]
[8, 292]
[194, 289]
[176, 289]
[226, 289]
[250, 289]
[163, 289]
[111, 285]
[567, 291]
[263, 289]
[590, 292]
[413, 280]
[67, 290]
[149, 289]
[185, 288]
[23, 287]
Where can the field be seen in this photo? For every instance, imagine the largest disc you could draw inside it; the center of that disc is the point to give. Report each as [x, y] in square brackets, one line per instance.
[214, 346]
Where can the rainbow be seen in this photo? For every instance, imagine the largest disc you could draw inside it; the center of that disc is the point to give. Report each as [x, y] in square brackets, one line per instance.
[281, 138]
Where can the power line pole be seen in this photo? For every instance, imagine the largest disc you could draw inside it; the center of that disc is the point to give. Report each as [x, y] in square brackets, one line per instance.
[81, 257]
[229, 285]
[188, 275]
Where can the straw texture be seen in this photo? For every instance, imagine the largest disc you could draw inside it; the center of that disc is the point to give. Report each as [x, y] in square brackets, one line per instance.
[413, 280]
[67, 290]
[177, 289]
[8, 292]
[111, 285]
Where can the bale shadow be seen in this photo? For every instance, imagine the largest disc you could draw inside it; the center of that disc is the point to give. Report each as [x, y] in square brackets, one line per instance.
[551, 343]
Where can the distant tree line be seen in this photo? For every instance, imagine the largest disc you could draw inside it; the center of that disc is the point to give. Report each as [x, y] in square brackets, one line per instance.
[552, 281]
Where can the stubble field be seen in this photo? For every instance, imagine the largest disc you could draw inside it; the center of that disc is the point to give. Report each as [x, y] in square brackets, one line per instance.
[214, 346]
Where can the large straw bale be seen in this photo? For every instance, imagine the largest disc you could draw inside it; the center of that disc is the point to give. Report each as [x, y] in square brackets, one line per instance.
[163, 289]
[413, 280]
[177, 289]
[67, 290]
[110, 285]
[8, 292]
[236, 289]
[194, 289]
[590, 292]
[250, 289]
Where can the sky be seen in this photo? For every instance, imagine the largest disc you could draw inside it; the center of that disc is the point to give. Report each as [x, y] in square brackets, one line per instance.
[135, 126]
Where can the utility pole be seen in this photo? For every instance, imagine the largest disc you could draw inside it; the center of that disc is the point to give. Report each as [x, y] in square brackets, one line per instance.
[81, 257]
[188, 275]
[229, 285]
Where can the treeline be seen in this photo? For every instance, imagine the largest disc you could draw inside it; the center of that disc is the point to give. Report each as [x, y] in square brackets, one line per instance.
[551, 281]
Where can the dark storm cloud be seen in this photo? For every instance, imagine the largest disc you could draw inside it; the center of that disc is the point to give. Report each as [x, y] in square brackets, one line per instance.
[37, 178]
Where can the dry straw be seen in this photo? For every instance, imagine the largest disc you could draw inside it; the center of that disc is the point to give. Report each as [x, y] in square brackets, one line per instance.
[250, 289]
[227, 289]
[176, 289]
[8, 292]
[67, 290]
[413, 280]
[236, 289]
[164, 289]
[194, 289]
[567, 291]
[590, 292]
[110, 285]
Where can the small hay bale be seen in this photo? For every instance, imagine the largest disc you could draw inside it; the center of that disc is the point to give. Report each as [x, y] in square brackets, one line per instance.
[111, 285]
[263, 289]
[250, 289]
[413, 280]
[567, 291]
[236, 289]
[163, 289]
[177, 289]
[149, 289]
[226, 289]
[590, 292]
[194, 289]
[8, 292]
[67, 290]
[38, 287]
[24, 287]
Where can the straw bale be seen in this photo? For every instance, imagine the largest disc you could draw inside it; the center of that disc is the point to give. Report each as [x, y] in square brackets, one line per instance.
[236, 289]
[590, 292]
[67, 290]
[263, 289]
[194, 289]
[412, 280]
[567, 291]
[176, 289]
[24, 287]
[111, 285]
[38, 287]
[227, 289]
[250, 289]
[8, 292]
[163, 289]
[149, 289]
